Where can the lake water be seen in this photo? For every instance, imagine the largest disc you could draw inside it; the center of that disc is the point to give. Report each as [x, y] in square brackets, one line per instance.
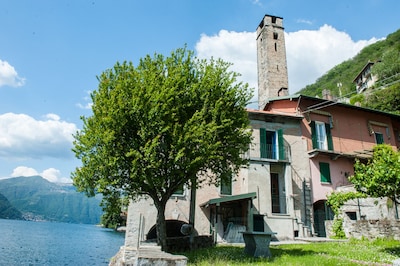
[46, 243]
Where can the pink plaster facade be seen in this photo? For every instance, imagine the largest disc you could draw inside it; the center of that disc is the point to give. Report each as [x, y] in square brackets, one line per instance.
[353, 132]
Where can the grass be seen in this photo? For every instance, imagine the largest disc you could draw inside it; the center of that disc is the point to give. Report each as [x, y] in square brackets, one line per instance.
[352, 252]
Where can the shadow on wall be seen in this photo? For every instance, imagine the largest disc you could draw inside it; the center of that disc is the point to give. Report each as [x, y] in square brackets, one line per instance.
[173, 230]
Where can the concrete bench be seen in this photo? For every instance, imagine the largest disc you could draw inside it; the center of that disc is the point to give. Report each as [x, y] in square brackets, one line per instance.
[257, 243]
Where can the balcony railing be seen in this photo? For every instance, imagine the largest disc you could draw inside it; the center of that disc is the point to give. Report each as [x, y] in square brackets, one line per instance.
[275, 152]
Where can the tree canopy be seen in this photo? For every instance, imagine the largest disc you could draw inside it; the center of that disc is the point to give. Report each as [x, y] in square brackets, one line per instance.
[160, 124]
[380, 176]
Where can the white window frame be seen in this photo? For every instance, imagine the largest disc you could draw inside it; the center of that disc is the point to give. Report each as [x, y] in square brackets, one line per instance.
[320, 131]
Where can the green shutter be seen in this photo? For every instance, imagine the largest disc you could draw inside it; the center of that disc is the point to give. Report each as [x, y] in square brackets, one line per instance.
[263, 143]
[379, 138]
[313, 135]
[281, 146]
[329, 136]
[226, 185]
[325, 172]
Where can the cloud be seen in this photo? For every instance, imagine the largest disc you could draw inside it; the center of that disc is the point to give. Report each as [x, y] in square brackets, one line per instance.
[310, 53]
[23, 137]
[304, 21]
[239, 48]
[51, 174]
[87, 101]
[8, 75]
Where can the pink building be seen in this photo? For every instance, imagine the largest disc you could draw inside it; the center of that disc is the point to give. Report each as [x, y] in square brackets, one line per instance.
[335, 134]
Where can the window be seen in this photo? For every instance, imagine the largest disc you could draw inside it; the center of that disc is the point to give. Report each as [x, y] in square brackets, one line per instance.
[352, 215]
[378, 138]
[179, 192]
[278, 197]
[271, 144]
[275, 35]
[325, 172]
[321, 135]
[226, 185]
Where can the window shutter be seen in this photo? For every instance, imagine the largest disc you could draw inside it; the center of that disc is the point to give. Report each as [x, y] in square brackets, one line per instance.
[226, 185]
[325, 172]
[329, 136]
[313, 135]
[378, 138]
[281, 147]
[263, 143]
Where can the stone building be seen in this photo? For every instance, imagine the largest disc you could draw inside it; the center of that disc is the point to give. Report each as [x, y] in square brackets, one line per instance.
[303, 148]
[271, 59]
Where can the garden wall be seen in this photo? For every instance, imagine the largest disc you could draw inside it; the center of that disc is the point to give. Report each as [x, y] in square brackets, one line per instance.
[370, 229]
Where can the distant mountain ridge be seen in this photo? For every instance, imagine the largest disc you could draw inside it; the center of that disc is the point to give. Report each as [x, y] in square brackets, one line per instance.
[38, 199]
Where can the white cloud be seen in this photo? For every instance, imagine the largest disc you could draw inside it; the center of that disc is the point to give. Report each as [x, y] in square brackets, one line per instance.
[87, 101]
[51, 174]
[23, 137]
[310, 53]
[24, 171]
[8, 75]
[239, 48]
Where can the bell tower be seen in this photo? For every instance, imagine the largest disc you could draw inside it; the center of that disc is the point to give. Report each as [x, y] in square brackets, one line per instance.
[271, 60]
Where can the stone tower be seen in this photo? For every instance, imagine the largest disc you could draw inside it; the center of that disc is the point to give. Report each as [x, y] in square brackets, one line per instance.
[271, 60]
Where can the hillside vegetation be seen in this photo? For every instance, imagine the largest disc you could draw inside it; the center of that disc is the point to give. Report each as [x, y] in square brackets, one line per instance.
[35, 198]
[388, 52]
[7, 211]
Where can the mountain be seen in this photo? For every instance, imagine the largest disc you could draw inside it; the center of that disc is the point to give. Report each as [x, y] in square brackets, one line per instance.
[346, 72]
[38, 199]
[7, 211]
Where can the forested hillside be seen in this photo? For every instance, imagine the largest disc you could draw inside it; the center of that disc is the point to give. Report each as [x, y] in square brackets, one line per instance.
[38, 199]
[7, 211]
[388, 53]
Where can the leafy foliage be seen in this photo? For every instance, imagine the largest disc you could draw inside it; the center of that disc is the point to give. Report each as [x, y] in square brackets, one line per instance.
[113, 206]
[336, 200]
[388, 68]
[158, 125]
[386, 100]
[380, 176]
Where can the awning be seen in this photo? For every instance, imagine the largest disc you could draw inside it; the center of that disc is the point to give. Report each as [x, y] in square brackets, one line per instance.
[239, 197]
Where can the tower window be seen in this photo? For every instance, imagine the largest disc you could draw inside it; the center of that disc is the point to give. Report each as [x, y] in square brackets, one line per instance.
[275, 35]
[273, 20]
[276, 47]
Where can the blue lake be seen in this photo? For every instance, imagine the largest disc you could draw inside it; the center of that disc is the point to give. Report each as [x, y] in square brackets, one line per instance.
[46, 243]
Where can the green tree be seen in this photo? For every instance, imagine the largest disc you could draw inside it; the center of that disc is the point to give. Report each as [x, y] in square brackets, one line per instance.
[158, 125]
[113, 205]
[386, 100]
[380, 176]
[388, 69]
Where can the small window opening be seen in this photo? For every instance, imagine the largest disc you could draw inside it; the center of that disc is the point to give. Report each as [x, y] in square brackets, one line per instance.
[275, 35]
[352, 215]
[273, 20]
[276, 47]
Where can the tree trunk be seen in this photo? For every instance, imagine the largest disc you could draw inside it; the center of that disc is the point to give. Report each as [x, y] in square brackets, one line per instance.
[161, 225]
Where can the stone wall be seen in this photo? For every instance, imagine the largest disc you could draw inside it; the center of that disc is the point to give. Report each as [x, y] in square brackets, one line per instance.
[373, 229]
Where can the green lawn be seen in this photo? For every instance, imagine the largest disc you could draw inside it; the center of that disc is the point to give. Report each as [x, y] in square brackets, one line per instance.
[352, 252]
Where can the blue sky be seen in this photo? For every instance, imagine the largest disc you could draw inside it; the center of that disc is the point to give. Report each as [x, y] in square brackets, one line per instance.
[52, 51]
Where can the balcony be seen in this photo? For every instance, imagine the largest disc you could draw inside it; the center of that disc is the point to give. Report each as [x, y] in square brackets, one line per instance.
[275, 152]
